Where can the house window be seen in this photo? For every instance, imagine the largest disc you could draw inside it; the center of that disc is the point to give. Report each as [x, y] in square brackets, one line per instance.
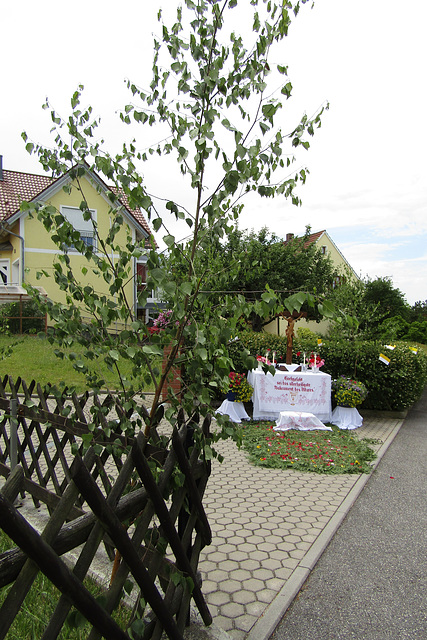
[324, 250]
[338, 281]
[4, 271]
[84, 227]
[141, 276]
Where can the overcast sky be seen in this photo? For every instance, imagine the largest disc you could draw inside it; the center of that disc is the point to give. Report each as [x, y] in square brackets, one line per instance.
[368, 163]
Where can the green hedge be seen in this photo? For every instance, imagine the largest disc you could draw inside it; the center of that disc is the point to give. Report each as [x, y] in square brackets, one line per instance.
[33, 320]
[392, 387]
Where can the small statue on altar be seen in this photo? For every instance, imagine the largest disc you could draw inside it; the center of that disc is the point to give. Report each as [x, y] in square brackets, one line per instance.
[291, 319]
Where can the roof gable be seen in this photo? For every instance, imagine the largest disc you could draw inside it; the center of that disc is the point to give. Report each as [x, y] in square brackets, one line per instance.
[314, 238]
[17, 187]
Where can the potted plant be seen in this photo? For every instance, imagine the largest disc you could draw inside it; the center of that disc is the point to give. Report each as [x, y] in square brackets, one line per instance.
[239, 389]
[348, 392]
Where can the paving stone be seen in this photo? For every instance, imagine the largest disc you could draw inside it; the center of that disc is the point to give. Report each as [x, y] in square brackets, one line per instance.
[248, 547]
[266, 595]
[244, 597]
[230, 586]
[255, 608]
[259, 555]
[224, 623]
[241, 574]
[286, 546]
[271, 543]
[254, 585]
[209, 586]
[217, 556]
[227, 548]
[298, 553]
[232, 610]
[282, 574]
[237, 554]
[271, 563]
[262, 573]
[217, 598]
[243, 520]
[245, 622]
[250, 564]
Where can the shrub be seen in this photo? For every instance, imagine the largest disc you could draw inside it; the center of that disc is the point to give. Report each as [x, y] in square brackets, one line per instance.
[392, 387]
[33, 320]
[417, 332]
[255, 343]
[305, 340]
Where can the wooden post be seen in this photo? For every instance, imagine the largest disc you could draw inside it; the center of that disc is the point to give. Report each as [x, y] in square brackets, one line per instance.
[174, 376]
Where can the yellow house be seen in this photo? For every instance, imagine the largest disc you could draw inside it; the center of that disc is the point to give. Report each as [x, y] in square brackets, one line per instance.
[327, 247]
[26, 247]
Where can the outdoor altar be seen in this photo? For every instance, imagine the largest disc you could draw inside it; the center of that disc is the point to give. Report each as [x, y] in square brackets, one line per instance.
[305, 392]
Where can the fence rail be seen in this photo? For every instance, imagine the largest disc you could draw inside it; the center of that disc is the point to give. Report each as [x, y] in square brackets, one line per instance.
[149, 510]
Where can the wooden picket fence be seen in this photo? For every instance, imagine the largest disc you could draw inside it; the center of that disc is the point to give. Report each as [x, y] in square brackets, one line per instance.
[140, 500]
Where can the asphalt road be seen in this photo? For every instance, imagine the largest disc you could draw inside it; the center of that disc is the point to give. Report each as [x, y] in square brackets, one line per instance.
[371, 581]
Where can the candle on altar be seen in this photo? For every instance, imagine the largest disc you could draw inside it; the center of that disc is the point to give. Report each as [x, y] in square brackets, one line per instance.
[274, 357]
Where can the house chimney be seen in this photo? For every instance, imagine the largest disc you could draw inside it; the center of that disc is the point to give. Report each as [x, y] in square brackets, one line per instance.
[289, 237]
[1, 167]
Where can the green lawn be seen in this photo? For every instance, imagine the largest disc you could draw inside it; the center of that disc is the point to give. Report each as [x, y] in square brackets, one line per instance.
[33, 358]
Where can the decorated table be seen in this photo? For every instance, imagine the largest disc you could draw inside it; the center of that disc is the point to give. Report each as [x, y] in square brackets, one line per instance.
[299, 392]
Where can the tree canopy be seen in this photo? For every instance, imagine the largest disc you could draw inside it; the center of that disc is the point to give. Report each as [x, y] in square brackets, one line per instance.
[246, 262]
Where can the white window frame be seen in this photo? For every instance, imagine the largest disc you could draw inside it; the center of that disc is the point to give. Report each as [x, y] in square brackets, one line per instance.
[85, 227]
[16, 273]
[4, 271]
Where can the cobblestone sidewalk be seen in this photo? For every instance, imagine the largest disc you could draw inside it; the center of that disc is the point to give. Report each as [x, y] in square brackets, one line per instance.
[264, 523]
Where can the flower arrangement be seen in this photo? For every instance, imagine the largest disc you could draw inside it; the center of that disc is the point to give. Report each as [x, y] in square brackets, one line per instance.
[348, 392]
[161, 322]
[315, 361]
[263, 359]
[239, 387]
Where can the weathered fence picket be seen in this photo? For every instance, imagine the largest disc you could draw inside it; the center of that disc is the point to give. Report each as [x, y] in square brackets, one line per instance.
[154, 521]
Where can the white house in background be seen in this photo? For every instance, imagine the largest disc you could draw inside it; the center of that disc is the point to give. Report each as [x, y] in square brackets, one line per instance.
[327, 247]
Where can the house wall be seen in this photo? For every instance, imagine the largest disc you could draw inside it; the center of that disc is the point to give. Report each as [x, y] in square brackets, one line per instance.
[320, 328]
[40, 250]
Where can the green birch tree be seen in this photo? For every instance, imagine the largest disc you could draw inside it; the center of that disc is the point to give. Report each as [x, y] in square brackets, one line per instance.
[216, 99]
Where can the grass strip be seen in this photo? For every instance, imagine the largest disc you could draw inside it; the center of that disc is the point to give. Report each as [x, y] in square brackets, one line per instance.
[33, 358]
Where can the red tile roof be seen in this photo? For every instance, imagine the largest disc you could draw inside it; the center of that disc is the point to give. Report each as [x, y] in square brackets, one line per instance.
[17, 187]
[313, 237]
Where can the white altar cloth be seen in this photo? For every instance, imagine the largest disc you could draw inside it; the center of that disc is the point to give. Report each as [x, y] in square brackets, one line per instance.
[303, 392]
[234, 410]
[346, 418]
[299, 420]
